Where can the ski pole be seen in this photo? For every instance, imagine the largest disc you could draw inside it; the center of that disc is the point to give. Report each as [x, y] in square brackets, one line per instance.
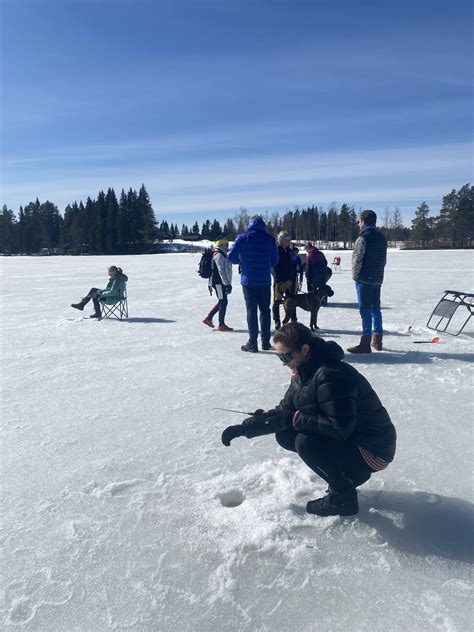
[427, 342]
[229, 410]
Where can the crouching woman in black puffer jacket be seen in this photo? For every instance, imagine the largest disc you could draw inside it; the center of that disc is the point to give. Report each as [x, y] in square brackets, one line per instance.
[330, 416]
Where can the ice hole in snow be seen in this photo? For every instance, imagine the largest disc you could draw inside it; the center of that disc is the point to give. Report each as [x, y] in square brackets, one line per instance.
[232, 498]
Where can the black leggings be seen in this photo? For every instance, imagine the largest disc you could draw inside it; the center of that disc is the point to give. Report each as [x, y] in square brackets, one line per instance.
[92, 294]
[339, 463]
[220, 306]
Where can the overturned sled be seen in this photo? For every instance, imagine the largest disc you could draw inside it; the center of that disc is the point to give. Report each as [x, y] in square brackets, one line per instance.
[449, 304]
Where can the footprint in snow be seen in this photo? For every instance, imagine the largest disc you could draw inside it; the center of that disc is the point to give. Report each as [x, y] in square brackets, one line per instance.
[119, 488]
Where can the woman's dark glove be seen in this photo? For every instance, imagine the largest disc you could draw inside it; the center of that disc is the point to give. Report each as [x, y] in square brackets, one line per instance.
[232, 432]
[228, 289]
[266, 422]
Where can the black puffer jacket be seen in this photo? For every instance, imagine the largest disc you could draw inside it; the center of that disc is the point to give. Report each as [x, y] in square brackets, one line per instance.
[333, 400]
[369, 256]
[285, 268]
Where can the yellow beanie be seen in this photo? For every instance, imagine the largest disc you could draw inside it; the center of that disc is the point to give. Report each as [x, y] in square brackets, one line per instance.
[222, 241]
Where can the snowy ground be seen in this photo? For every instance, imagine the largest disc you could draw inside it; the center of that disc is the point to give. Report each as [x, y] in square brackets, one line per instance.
[116, 488]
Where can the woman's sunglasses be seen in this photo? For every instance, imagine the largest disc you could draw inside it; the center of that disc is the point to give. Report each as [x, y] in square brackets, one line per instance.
[287, 357]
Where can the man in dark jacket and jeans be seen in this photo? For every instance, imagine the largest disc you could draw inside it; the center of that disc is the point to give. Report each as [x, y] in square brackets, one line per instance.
[368, 262]
[256, 252]
[330, 416]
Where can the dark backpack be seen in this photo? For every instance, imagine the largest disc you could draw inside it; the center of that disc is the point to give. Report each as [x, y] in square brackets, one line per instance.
[205, 264]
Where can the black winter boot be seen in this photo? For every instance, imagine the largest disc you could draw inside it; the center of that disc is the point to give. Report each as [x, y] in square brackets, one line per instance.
[249, 347]
[78, 305]
[335, 504]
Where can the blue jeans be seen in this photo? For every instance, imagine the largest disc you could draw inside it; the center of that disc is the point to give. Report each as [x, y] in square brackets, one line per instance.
[368, 297]
[258, 298]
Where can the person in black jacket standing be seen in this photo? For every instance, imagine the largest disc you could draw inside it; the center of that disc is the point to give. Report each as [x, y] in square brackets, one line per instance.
[330, 416]
[368, 262]
[283, 276]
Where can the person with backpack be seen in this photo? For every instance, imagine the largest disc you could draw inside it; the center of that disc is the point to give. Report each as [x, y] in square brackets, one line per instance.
[115, 291]
[256, 252]
[330, 416]
[221, 281]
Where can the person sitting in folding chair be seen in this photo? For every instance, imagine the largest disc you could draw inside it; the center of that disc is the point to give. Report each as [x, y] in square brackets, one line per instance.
[114, 292]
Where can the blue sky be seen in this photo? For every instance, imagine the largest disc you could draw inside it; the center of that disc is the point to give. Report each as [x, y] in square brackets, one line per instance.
[219, 105]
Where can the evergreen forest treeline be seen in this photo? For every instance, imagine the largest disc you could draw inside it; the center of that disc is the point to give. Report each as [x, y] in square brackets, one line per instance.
[128, 225]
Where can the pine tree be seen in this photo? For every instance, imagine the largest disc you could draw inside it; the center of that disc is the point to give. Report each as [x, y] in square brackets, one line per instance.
[8, 232]
[135, 220]
[344, 224]
[215, 230]
[100, 227]
[323, 227]
[420, 226]
[147, 232]
[111, 221]
[123, 223]
[229, 230]
[206, 230]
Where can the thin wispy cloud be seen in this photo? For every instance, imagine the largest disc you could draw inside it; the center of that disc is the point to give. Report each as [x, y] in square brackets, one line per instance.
[381, 176]
[236, 104]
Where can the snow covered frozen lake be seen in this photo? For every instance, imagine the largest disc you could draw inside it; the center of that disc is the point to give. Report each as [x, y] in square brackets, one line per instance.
[122, 510]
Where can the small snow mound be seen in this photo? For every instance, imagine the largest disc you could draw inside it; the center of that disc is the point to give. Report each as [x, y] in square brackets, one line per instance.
[232, 498]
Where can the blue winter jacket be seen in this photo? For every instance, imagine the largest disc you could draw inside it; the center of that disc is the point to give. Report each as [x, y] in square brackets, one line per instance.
[257, 253]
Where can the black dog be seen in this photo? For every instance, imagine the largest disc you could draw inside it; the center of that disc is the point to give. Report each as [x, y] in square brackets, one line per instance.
[309, 302]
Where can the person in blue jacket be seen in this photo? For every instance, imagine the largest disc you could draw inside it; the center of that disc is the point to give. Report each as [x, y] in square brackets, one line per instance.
[256, 252]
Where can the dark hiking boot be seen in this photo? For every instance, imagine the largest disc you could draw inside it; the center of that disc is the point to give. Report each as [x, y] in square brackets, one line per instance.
[376, 342]
[96, 315]
[224, 327]
[78, 305]
[362, 347]
[335, 504]
[208, 322]
[266, 346]
[248, 347]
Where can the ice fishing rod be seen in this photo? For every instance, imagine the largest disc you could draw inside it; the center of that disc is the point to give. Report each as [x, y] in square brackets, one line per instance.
[229, 410]
[427, 342]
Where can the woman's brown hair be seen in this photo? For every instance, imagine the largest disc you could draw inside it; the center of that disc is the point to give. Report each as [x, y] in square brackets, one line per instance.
[294, 336]
[116, 270]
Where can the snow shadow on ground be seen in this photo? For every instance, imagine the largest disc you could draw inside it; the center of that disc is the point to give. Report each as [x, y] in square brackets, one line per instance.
[404, 357]
[325, 331]
[346, 305]
[421, 523]
[147, 320]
